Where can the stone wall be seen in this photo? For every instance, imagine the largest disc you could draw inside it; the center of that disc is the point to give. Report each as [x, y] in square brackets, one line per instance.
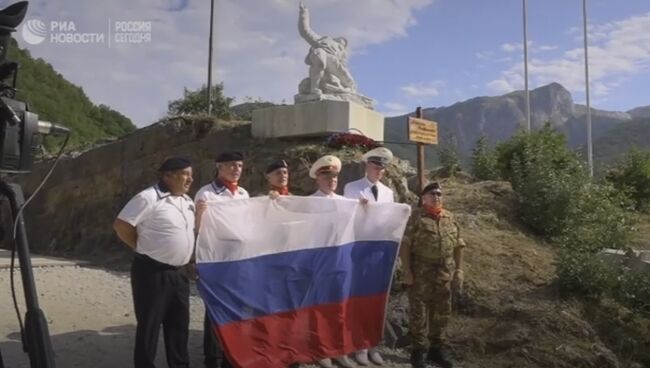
[73, 214]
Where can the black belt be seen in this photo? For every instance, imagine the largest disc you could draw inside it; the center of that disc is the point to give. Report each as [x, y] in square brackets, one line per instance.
[145, 259]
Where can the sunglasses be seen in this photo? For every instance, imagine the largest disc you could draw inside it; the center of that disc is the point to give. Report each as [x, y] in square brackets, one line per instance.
[435, 194]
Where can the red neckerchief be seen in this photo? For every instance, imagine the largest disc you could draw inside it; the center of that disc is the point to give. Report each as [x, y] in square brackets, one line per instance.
[434, 212]
[281, 190]
[231, 185]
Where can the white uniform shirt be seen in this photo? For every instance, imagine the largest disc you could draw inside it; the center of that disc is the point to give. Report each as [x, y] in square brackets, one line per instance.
[318, 193]
[362, 189]
[164, 223]
[216, 191]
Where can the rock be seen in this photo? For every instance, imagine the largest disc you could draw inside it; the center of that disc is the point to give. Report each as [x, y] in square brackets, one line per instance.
[605, 357]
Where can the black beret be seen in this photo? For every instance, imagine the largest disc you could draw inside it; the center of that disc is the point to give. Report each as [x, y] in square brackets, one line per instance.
[230, 156]
[276, 165]
[432, 187]
[175, 163]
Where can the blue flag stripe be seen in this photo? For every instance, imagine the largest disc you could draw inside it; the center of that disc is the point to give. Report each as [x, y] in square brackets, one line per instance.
[254, 287]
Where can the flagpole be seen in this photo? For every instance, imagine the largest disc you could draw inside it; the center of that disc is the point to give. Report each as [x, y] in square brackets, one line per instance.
[210, 58]
[589, 141]
[525, 10]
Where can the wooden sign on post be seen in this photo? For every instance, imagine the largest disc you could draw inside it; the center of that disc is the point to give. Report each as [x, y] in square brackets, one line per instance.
[423, 131]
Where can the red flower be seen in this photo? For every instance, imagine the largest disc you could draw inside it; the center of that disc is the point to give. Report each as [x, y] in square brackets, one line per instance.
[341, 140]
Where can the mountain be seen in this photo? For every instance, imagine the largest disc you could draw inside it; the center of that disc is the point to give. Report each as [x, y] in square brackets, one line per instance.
[55, 99]
[640, 112]
[501, 116]
[619, 140]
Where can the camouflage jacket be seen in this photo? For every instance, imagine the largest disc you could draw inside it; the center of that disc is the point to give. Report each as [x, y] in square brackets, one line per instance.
[430, 240]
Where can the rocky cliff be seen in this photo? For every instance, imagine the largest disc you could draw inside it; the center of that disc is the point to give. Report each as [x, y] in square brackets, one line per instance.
[499, 117]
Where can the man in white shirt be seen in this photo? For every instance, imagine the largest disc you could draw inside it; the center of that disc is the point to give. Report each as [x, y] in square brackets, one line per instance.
[370, 186]
[371, 189]
[326, 172]
[225, 187]
[158, 224]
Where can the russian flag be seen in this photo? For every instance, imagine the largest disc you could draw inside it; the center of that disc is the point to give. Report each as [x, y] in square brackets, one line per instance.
[297, 279]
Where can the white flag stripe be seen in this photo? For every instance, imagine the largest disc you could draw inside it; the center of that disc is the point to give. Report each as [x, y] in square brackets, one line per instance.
[246, 228]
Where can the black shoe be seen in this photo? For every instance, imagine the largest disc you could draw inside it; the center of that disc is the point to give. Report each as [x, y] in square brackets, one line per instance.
[417, 358]
[435, 355]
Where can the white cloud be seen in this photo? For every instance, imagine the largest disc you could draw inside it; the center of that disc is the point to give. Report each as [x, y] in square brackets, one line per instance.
[500, 86]
[395, 106]
[622, 49]
[512, 47]
[543, 48]
[484, 55]
[423, 90]
[394, 109]
[257, 52]
[532, 47]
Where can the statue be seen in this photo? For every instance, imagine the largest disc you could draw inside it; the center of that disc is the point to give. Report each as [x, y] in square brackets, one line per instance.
[329, 77]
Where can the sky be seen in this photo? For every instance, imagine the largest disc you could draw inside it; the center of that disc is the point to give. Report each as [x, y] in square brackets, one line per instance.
[137, 55]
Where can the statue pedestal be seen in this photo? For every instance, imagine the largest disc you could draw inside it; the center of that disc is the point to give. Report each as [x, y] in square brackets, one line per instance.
[318, 118]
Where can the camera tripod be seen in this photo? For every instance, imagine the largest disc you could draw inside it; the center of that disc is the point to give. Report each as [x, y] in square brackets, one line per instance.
[36, 339]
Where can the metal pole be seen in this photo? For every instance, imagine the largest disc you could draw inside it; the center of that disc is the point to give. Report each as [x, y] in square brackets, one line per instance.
[525, 8]
[589, 142]
[210, 59]
[418, 114]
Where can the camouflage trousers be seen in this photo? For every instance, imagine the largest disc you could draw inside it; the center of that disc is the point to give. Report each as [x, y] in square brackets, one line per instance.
[429, 303]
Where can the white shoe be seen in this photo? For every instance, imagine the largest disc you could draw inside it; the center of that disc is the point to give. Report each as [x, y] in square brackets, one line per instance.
[361, 357]
[344, 361]
[375, 357]
[326, 363]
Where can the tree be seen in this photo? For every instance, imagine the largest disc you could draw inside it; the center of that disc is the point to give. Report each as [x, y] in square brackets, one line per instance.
[632, 176]
[449, 158]
[195, 102]
[484, 161]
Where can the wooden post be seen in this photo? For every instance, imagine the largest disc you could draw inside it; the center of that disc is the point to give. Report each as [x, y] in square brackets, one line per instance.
[418, 114]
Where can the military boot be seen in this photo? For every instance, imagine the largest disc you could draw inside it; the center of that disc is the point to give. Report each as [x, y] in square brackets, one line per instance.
[417, 358]
[437, 356]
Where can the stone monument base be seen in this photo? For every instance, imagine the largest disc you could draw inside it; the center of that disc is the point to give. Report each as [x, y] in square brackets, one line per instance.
[318, 118]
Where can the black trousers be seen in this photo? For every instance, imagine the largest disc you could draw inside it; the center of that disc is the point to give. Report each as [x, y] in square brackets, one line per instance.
[212, 349]
[161, 295]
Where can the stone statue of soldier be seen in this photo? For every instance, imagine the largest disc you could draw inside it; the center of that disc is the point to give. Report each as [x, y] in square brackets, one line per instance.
[329, 77]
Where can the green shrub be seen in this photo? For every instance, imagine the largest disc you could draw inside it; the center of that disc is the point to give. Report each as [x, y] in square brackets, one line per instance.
[558, 200]
[584, 273]
[597, 218]
[484, 161]
[633, 290]
[549, 145]
[632, 176]
[546, 177]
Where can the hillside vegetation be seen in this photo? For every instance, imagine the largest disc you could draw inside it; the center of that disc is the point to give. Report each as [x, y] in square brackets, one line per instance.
[55, 99]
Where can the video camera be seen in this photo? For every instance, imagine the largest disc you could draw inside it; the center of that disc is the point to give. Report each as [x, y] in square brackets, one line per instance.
[19, 140]
[19, 128]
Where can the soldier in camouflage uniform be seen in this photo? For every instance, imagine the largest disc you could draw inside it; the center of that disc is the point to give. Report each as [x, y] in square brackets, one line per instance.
[431, 254]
